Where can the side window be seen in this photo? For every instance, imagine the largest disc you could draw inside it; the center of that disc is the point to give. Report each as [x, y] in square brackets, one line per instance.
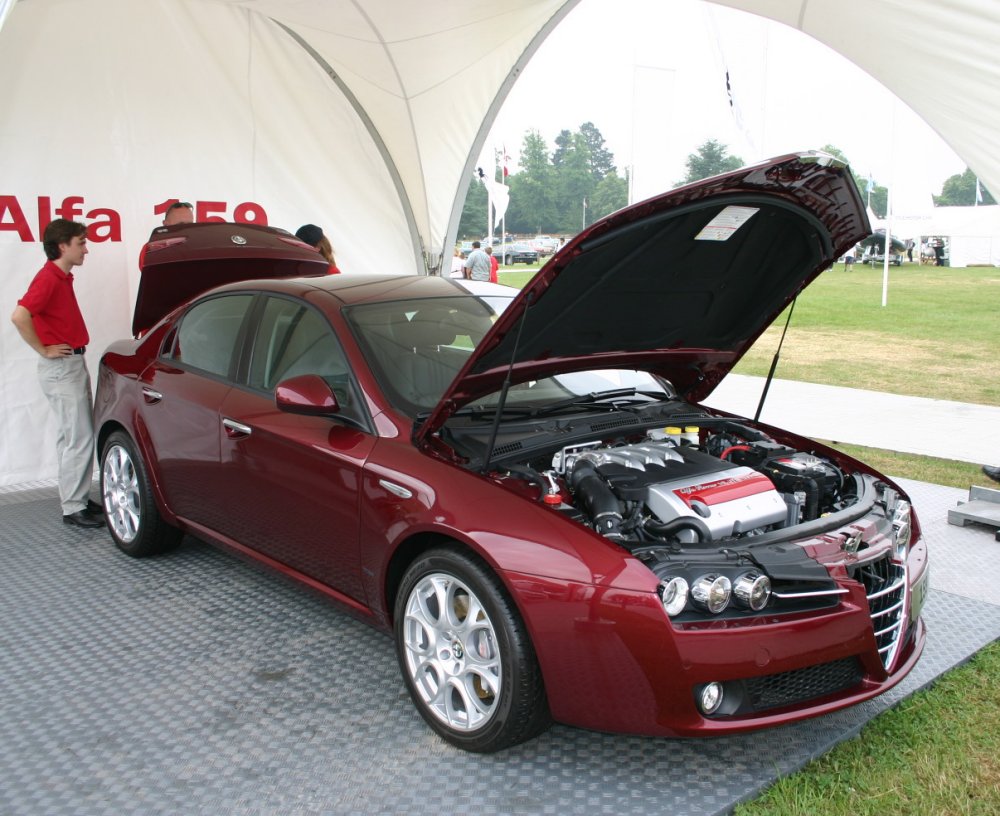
[294, 339]
[206, 338]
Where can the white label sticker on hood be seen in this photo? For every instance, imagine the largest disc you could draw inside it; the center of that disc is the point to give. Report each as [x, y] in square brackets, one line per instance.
[722, 227]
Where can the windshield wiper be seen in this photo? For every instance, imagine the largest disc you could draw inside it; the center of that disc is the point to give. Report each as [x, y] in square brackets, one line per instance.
[489, 411]
[598, 399]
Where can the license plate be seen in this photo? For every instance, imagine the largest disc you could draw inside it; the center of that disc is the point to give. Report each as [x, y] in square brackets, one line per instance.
[918, 594]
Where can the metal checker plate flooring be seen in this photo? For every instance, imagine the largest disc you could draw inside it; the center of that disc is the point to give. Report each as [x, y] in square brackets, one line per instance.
[197, 684]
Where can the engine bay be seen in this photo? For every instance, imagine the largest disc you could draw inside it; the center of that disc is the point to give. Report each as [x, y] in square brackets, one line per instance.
[686, 488]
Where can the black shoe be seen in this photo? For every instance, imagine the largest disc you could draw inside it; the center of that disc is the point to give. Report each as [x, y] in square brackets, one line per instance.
[81, 518]
[93, 508]
[992, 472]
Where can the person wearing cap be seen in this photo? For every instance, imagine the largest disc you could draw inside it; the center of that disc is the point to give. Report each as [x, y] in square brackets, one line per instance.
[48, 319]
[313, 235]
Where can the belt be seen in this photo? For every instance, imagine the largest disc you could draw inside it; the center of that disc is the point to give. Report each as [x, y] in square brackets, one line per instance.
[80, 350]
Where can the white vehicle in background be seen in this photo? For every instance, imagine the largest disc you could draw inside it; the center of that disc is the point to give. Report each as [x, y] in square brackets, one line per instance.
[545, 244]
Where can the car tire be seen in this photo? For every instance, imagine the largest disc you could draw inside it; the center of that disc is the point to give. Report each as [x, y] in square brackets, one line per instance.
[465, 654]
[130, 509]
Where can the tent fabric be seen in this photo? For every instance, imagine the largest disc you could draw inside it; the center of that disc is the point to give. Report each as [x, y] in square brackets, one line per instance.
[972, 233]
[362, 116]
[940, 58]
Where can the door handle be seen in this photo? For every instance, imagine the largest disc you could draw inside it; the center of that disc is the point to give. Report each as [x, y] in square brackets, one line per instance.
[234, 429]
[152, 397]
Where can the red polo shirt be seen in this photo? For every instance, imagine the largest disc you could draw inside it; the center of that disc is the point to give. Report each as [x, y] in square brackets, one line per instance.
[53, 307]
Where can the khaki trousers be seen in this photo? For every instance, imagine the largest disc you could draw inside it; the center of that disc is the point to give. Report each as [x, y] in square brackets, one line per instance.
[66, 384]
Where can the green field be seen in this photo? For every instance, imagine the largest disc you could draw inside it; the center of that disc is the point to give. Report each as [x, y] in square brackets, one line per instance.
[934, 338]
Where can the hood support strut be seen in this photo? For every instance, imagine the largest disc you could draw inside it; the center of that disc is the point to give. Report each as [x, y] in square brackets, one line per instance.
[774, 363]
[505, 387]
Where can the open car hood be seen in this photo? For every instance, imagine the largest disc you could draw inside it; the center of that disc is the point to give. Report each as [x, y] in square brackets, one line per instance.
[680, 285]
[184, 260]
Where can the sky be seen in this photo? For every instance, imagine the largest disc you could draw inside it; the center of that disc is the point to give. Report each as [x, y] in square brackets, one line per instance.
[650, 75]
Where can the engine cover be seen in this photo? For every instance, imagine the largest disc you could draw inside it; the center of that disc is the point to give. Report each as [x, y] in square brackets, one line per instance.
[733, 500]
[678, 481]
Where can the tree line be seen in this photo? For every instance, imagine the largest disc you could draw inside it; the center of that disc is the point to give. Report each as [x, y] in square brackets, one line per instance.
[554, 192]
[578, 183]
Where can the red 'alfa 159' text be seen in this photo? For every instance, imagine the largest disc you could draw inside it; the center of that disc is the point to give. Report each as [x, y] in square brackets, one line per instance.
[30, 219]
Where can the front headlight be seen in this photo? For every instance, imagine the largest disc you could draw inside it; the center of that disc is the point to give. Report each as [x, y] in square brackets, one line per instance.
[901, 529]
[752, 590]
[712, 592]
[674, 595]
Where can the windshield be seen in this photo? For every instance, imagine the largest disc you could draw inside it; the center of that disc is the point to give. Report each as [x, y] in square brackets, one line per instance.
[415, 349]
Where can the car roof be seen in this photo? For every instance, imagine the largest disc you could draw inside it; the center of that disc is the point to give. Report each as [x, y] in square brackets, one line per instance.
[366, 288]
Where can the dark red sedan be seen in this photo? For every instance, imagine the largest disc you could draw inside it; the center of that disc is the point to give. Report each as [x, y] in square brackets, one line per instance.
[522, 487]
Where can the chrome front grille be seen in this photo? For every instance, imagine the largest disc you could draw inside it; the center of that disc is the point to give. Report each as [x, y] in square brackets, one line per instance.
[885, 586]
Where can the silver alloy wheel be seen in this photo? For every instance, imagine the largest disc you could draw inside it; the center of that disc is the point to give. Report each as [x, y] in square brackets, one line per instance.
[120, 488]
[452, 655]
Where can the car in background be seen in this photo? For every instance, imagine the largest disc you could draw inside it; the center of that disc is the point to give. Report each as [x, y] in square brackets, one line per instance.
[523, 487]
[545, 244]
[515, 253]
[876, 257]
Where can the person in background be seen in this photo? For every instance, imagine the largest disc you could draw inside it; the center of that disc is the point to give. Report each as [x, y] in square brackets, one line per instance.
[477, 265]
[494, 264]
[313, 235]
[850, 256]
[48, 319]
[458, 264]
[937, 244]
[180, 212]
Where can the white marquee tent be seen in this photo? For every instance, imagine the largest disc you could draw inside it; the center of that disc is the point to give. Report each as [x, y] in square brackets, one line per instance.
[361, 115]
[971, 234]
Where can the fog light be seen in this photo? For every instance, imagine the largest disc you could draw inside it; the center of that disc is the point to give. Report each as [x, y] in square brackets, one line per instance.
[752, 590]
[901, 528]
[712, 592]
[710, 698]
[674, 595]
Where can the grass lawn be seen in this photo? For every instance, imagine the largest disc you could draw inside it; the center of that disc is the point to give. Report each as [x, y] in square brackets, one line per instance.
[935, 754]
[934, 338]
[938, 752]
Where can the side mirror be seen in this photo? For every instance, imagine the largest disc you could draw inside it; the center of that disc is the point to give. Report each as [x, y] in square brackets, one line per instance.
[307, 394]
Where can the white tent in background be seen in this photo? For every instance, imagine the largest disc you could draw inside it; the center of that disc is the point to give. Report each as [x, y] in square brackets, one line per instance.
[365, 116]
[972, 233]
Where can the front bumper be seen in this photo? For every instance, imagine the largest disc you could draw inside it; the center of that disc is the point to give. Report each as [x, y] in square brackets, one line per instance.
[612, 661]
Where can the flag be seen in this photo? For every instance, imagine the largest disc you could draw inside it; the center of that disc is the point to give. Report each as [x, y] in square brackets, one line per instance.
[506, 161]
[734, 105]
[737, 112]
[499, 197]
[979, 192]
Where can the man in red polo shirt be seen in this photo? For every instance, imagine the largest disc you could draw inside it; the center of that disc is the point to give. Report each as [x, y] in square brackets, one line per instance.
[49, 320]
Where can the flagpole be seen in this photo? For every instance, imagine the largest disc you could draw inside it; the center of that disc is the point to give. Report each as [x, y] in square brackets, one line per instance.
[489, 212]
[888, 210]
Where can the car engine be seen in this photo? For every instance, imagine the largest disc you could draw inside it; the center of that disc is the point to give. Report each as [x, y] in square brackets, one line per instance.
[673, 491]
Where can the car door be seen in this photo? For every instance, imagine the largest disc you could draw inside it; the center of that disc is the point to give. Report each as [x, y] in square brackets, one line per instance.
[182, 392]
[290, 483]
